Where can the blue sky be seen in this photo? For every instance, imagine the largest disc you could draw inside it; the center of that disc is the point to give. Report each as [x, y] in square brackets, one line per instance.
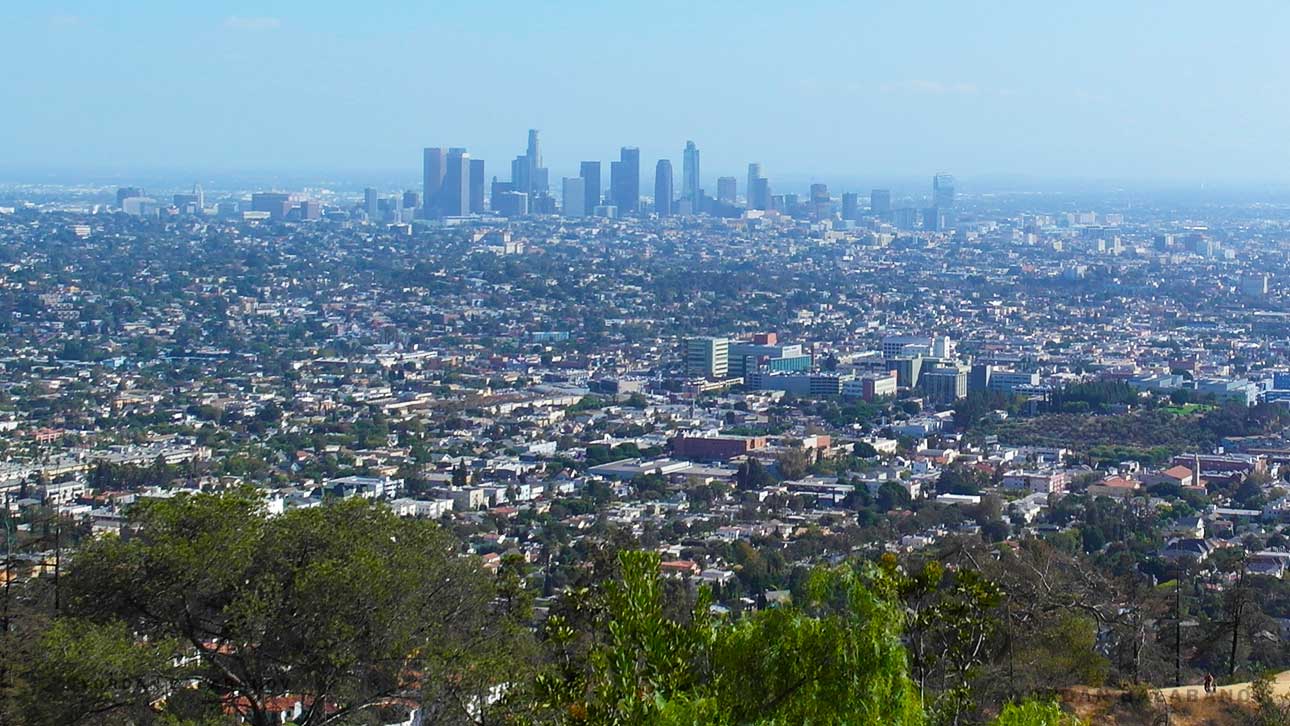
[1159, 91]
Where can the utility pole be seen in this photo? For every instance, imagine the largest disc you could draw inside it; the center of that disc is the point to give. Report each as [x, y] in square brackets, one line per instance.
[8, 579]
[58, 557]
[1239, 597]
[1012, 675]
[1178, 629]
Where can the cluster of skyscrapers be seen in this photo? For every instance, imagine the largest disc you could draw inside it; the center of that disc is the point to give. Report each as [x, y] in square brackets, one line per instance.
[453, 186]
[452, 183]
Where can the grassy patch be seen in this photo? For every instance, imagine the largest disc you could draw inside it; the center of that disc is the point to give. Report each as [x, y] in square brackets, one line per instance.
[1188, 409]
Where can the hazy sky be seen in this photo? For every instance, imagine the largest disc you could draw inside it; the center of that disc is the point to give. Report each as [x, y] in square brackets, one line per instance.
[1119, 89]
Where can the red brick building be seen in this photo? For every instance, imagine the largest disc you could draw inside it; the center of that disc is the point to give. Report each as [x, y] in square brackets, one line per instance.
[715, 448]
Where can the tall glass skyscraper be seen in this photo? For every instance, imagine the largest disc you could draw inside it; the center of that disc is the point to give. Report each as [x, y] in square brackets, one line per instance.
[456, 184]
[690, 175]
[663, 188]
[943, 191]
[434, 166]
[758, 188]
[754, 173]
[537, 174]
[880, 202]
[850, 205]
[527, 173]
[534, 150]
[573, 192]
[727, 189]
[476, 186]
[625, 180]
[590, 173]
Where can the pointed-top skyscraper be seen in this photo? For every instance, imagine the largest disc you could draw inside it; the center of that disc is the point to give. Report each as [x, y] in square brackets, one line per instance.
[527, 173]
[534, 150]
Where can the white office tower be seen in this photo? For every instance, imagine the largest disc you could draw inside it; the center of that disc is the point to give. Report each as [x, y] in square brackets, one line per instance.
[707, 357]
[942, 347]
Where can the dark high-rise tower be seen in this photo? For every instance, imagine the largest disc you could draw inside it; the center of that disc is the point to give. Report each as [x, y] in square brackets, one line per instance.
[943, 191]
[370, 204]
[521, 175]
[820, 194]
[616, 181]
[880, 202]
[759, 195]
[663, 188]
[434, 166]
[573, 197]
[850, 205]
[758, 188]
[456, 184]
[727, 189]
[590, 173]
[690, 176]
[625, 180]
[476, 186]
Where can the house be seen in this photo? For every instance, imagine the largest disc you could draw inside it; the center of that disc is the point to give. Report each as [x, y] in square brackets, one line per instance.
[1268, 562]
[463, 498]
[715, 576]
[679, 568]
[1029, 507]
[1188, 548]
[1180, 475]
[1116, 487]
[1190, 528]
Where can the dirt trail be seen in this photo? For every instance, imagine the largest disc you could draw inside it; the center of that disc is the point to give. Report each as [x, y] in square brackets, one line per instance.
[1235, 691]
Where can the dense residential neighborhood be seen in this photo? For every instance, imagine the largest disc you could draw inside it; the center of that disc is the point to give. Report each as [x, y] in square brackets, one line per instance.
[745, 397]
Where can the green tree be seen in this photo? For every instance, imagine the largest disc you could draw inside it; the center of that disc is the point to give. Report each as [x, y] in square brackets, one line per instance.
[79, 670]
[1035, 713]
[752, 475]
[949, 626]
[341, 605]
[836, 658]
[794, 461]
[1269, 708]
[891, 496]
